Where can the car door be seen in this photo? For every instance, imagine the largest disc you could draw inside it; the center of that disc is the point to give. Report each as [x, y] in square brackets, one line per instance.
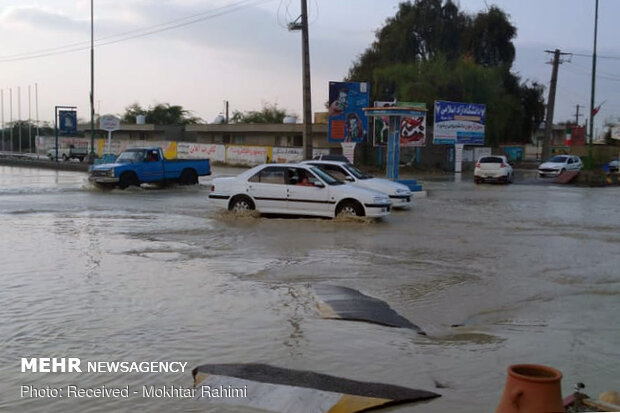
[152, 166]
[307, 194]
[268, 188]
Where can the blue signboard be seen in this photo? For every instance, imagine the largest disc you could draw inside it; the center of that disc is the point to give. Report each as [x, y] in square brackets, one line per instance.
[347, 120]
[459, 123]
[67, 122]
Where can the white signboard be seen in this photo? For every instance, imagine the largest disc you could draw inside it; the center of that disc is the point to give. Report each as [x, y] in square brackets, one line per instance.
[480, 152]
[109, 123]
[348, 150]
[615, 132]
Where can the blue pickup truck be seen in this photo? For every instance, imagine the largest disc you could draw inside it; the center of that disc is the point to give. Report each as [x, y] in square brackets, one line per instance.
[148, 165]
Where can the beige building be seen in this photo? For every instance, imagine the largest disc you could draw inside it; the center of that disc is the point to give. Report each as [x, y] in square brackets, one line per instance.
[281, 135]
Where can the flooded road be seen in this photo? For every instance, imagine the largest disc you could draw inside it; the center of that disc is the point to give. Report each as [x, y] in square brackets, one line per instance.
[530, 272]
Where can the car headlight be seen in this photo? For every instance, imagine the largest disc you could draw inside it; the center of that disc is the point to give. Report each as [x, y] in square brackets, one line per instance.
[111, 172]
[402, 191]
[380, 200]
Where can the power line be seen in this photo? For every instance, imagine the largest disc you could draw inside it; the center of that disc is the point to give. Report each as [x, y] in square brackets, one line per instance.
[587, 70]
[146, 31]
[584, 72]
[597, 56]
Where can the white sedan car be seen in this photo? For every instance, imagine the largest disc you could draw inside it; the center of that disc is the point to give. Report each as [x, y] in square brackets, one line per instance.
[399, 194]
[559, 164]
[493, 168]
[296, 189]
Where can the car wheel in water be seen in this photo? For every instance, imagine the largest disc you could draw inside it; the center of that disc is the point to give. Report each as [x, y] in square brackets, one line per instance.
[65, 158]
[562, 171]
[188, 177]
[349, 209]
[241, 204]
[126, 180]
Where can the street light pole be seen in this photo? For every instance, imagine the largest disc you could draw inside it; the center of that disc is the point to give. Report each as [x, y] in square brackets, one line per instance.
[590, 160]
[92, 82]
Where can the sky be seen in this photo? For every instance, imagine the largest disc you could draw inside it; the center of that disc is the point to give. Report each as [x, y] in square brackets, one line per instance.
[240, 51]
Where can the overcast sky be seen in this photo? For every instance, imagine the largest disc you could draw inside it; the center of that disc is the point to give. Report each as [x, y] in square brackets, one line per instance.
[241, 51]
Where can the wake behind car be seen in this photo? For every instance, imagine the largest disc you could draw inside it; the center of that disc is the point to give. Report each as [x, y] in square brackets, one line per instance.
[559, 164]
[494, 169]
[148, 165]
[344, 171]
[296, 189]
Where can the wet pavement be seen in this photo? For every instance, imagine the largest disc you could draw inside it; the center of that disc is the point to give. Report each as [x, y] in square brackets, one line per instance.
[529, 271]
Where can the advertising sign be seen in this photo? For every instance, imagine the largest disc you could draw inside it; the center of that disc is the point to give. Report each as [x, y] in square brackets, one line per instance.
[347, 121]
[412, 129]
[109, 123]
[459, 123]
[248, 155]
[67, 122]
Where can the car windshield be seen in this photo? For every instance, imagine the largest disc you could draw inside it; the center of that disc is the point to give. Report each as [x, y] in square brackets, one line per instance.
[130, 157]
[559, 159]
[356, 172]
[329, 180]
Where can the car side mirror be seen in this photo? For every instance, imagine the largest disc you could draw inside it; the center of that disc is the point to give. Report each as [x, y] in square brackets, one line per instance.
[318, 184]
[349, 179]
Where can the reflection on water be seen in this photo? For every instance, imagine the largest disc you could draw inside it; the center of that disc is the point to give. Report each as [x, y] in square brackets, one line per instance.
[530, 272]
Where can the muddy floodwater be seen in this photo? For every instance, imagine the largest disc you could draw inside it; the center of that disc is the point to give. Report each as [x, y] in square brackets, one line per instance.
[530, 272]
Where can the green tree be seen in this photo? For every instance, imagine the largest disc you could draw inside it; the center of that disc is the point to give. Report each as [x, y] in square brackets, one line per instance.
[270, 113]
[430, 50]
[491, 39]
[160, 114]
[28, 135]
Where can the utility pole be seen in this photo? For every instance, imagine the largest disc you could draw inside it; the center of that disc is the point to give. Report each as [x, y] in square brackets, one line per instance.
[29, 121]
[577, 116]
[589, 163]
[11, 117]
[19, 116]
[92, 83]
[302, 24]
[2, 110]
[551, 103]
[36, 104]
